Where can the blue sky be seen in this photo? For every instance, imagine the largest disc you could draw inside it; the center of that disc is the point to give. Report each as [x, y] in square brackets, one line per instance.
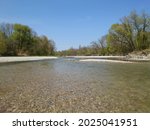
[69, 23]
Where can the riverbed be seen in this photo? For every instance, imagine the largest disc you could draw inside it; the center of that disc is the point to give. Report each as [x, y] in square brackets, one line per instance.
[71, 85]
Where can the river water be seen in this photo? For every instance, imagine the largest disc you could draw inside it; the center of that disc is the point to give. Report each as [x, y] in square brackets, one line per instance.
[68, 85]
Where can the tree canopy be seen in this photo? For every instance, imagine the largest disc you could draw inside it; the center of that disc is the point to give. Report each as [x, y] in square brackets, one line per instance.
[132, 33]
[18, 39]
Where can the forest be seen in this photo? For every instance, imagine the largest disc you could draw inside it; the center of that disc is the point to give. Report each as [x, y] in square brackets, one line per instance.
[131, 33]
[21, 40]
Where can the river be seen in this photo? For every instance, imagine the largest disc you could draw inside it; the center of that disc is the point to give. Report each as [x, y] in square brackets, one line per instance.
[69, 85]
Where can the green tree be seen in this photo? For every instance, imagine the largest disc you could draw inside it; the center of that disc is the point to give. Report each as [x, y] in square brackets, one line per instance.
[3, 46]
[17, 39]
[7, 30]
[131, 34]
[22, 36]
[139, 26]
[118, 39]
[46, 47]
[42, 46]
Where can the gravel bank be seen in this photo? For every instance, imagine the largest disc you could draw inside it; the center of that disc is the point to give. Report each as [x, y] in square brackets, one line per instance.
[127, 58]
[98, 57]
[105, 60]
[28, 58]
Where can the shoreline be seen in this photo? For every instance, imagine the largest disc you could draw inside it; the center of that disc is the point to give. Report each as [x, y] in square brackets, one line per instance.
[127, 58]
[116, 59]
[25, 59]
[104, 60]
[98, 57]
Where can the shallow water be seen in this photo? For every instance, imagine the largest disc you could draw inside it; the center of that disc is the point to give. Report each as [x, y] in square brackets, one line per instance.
[68, 85]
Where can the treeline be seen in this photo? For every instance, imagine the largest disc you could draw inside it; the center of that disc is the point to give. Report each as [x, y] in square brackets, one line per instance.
[132, 33]
[21, 40]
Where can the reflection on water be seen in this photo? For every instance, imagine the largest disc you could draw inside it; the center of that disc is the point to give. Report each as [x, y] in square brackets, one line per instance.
[67, 85]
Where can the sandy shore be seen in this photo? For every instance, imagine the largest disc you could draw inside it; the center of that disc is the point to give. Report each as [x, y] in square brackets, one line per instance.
[104, 60]
[97, 57]
[27, 58]
[131, 58]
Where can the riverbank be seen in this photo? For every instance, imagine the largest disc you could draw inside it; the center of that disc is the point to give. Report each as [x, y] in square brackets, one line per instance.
[99, 57]
[26, 58]
[143, 55]
[136, 56]
[115, 59]
[105, 60]
[129, 58]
